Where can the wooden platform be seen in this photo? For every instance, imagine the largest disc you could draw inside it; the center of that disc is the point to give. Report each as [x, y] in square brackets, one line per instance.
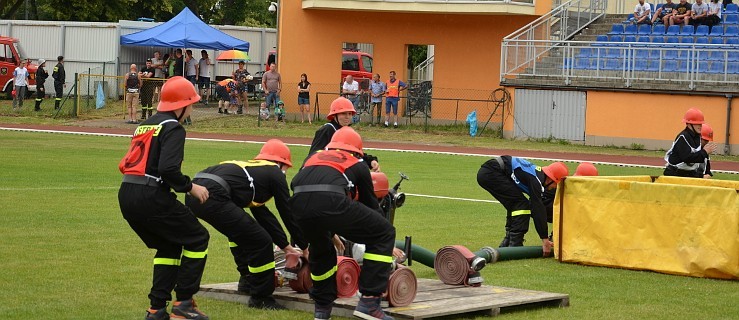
[434, 299]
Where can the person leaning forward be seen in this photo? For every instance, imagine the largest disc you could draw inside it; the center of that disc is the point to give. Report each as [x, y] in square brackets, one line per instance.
[234, 185]
[323, 205]
[151, 169]
[686, 154]
[507, 179]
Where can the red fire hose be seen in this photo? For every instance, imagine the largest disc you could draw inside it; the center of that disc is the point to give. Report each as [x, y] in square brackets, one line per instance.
[458, 265]
[296, 269]
[401, 287]
[347, 277]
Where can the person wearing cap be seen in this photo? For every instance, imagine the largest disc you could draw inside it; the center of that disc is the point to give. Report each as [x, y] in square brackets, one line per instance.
[686, 153]
[234, 185]
[41, 76]
[151, 169]
[132, 81]
[704, 169]
[323, 205]
[280, 111]
[340, 115]
[510, 180]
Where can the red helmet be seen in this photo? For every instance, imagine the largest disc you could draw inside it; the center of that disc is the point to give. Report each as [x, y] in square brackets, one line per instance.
[177, 93]
[706, 132]
[586, 169]
[693, 116]
[340, 105]
[379, 181]
[346, 139]
[556, 171]
[275, 150]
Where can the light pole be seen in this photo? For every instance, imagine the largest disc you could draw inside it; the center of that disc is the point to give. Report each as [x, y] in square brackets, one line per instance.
[274, 7]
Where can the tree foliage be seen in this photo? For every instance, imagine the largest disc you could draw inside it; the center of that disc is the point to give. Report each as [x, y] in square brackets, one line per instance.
[251, 13]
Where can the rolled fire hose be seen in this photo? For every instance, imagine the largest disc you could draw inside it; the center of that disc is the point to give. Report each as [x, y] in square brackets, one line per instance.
[418, 253]
[458, 265]
[347, 277]
[401, 287]
[298, 273]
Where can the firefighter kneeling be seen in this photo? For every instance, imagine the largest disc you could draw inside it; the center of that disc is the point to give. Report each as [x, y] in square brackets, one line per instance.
[234, 185]
[323, 206]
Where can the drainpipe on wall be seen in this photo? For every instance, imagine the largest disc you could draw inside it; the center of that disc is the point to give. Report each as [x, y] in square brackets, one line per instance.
[727, 146]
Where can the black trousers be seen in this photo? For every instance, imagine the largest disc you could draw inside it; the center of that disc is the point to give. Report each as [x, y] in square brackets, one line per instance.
[168, 226]
[673, 171]
[40, 92]
[147, 93]
[59, 88]
[250, 244]
[496, 182]
[320, 215]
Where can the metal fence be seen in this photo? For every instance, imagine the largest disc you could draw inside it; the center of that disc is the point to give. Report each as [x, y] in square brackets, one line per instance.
[560, 24]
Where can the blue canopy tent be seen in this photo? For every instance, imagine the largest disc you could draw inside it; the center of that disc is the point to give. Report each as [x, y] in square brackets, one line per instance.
[185, 31]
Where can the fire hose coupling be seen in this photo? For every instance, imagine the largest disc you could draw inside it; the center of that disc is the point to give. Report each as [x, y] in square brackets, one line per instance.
[490, 254]
[477, 264]
[293, 263]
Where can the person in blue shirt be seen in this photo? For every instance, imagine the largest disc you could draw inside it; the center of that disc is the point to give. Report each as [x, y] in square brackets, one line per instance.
[510, 180]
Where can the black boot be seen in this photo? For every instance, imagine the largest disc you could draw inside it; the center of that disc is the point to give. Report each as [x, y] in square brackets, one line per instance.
[143, 114]
[506, 240]
[38, 105]
[150, 111]
[56, 104]
[515, 239]
[244, 285]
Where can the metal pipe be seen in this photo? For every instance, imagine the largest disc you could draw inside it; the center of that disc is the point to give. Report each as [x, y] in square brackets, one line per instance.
[418, 253]
[727, 146]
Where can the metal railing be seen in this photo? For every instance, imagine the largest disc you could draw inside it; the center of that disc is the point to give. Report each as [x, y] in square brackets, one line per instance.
[423, 70]
[687, 63]
[558, 25]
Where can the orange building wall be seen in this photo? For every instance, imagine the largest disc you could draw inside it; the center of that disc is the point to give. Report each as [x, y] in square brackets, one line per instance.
[467, 48]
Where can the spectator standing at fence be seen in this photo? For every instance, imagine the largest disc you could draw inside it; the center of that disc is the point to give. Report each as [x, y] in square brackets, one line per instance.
[20, 81]
[179, 64]
[272, 85]
[60, 78]
[642, 13]
[394, 87]
[168, 68]
[158, 64]
[664, 13]
[304, 98]
[147, 90]
[204, 76]
[699, 13]
[41, 76]
[350, 89]
[237, 75]
[714, 13]
[681, 13]
[377, 89]
[192, 67]
[132, 81]
[686, 153]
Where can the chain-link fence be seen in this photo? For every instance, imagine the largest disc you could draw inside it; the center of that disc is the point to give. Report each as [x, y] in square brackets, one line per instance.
[106, 95]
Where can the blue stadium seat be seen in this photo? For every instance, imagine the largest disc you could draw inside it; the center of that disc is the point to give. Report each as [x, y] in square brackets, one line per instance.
[673, 30]
[629, 18]
[702, 30]
[733, 45]
[716, 40]
[616, 40]
[641, 54]
[716, 31]
[702, 67]
[630, 29]
[670, 66]
[731, 31]
[585, 53]
[641, 65]
[615, 53]
[582, 63]
[687, 30]
[617, 28]
[717, 55]
[614, 64]
[731, 8]
[701, 40]
[731, 19]
[671, 40]
[733, 68]
[655, 53]
[629, 38]
[686, 39]
[653, 65]
[644, 29]
[716, 67]
[642, 41]
[658, 40]
[671, 54]
[600, 40]
[659, 29]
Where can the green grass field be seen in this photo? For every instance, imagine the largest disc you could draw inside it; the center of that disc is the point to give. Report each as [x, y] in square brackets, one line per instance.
[67, 253]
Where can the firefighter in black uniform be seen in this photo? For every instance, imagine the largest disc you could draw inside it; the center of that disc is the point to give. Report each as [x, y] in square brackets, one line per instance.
[686, 154]
[234, 185]
[151, 169]
[340, 115]
[507, 178]
[41, 76]
[147, 90]
[322, 204]
[704, 170]
[59, 79]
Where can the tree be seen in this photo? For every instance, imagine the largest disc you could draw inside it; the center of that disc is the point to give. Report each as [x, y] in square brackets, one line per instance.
[9, 8]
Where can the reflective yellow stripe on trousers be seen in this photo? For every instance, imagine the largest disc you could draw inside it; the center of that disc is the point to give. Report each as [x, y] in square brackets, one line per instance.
[194, 255]
[232, 244]
[263, 268]
[520, 212]
[378, 257]
[324, 276]
[167, 261]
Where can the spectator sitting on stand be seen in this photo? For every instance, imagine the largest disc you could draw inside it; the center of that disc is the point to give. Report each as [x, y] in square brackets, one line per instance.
[642, 13]
[699, 13]
[663, 14]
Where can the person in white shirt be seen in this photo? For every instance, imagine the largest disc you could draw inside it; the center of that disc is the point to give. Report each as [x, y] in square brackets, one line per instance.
[204, 76]
[350, 89]
[192, 67]
[158, 64]
[642, 13]
[699, 13]
[714, 13]
[20, 81]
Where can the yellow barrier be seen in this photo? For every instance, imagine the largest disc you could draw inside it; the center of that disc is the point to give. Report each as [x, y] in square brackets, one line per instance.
[666, 224]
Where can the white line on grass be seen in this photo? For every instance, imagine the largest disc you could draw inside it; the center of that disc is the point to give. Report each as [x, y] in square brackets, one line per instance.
[619, 164]
[56, 188]
[449, 198]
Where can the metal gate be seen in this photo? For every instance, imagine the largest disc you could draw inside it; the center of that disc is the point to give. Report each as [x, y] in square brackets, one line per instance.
[549, 113]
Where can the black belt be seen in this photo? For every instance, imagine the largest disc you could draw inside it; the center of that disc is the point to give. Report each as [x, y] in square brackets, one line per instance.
[142, 180]
[219, 180]
[320, 188]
